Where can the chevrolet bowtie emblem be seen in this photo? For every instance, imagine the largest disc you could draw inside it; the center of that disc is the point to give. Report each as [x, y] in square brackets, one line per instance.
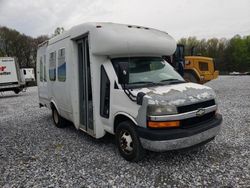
[200, 112]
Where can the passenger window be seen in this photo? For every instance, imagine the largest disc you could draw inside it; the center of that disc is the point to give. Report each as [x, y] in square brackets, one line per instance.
[203, 66]
[52, 66]
[105, 94]
[44, 68]
[61, 69]
[41, 69]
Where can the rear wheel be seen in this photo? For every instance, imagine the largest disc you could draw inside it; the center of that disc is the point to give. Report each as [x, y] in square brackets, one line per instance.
[128, 143]
[189, 77]
[58, 120]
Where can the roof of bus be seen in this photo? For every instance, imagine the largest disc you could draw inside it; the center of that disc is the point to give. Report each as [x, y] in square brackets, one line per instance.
[117, 39]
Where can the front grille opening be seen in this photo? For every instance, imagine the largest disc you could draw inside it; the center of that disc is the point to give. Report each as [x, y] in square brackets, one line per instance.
[196, 121]
[196, 106]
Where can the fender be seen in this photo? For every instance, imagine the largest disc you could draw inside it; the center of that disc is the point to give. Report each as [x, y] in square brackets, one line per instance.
[125, 114]
[52, 101]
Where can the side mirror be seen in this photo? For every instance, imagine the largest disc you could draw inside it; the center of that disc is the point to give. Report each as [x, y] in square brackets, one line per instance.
[139, 98]
[123, 73]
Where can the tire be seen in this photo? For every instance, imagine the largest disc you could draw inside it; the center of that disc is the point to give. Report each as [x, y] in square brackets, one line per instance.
[128, 143]
[16, 91]
[59, 121]
[189, 77]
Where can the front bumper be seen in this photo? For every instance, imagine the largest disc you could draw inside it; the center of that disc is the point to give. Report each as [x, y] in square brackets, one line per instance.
[172, 139]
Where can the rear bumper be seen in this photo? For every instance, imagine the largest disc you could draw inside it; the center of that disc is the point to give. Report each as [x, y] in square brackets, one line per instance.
[172, 139]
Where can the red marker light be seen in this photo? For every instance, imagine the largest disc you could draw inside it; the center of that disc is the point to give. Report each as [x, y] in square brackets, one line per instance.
[2, 68]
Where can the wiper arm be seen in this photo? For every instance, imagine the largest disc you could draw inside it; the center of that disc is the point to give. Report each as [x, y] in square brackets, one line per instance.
[173, 81]
[143, 82]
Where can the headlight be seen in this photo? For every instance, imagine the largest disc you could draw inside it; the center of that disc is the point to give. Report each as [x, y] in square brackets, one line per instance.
[159, 110]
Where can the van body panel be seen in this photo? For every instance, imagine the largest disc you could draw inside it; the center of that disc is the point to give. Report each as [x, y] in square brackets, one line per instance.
[8, 70]
[10, 75]
[28, 74]
[177, 95]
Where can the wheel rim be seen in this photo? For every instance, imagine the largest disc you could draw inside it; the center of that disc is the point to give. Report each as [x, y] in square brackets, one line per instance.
[55, 115]
[126, 142]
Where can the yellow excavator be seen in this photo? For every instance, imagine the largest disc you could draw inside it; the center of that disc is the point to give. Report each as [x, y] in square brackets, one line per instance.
[197, 69]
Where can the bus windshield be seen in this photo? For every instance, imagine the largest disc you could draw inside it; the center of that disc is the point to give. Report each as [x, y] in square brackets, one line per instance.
[148, 70]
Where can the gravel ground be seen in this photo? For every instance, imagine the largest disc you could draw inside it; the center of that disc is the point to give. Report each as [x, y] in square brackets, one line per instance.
[33, 153]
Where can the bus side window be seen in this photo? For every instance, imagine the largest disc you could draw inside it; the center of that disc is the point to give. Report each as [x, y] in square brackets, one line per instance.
[105, 94]
[61, 68]
[41, 69]
[203, 66]
[52, 66]
[44, 69]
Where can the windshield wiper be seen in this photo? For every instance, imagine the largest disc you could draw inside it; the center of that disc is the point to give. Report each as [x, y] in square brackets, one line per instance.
[173, 81]
[143, 82]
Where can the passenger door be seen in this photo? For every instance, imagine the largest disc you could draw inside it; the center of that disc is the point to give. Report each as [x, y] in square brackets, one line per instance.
[85, 87]
[43, 90]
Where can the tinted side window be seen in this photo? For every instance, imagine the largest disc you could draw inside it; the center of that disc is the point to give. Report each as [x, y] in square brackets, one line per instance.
[61, 69]
[44, 69]
[52, 66]
[41, 69]
[105, 94]
[203, 66]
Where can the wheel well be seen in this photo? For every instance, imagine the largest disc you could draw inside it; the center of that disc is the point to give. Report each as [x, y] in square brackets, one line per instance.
[120, 118]
[52, 105]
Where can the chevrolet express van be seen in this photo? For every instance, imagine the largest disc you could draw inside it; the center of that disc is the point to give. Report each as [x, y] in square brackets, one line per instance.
[111, 78]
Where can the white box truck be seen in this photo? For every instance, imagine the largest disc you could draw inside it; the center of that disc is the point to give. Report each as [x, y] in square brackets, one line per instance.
[111, 78]
[29, 75]
[10, 77]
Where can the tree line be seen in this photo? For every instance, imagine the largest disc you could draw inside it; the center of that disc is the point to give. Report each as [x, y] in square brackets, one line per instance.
[230, 54]
[21, 46]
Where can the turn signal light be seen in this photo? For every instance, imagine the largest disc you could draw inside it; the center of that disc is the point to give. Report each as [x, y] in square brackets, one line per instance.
[163, 124]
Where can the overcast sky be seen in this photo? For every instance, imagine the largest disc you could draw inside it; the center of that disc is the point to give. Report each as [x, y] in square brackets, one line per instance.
[180, 18]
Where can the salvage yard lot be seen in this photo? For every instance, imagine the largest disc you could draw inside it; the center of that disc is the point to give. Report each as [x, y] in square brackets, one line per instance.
[35, 153]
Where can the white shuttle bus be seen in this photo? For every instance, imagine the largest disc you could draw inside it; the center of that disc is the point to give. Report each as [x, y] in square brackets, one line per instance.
[111, 78]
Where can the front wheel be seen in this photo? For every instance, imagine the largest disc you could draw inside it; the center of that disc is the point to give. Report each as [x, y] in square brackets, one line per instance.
[128, 143]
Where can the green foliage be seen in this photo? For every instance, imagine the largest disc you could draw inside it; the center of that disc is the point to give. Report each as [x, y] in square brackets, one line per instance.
[230, 55]
[15, 44]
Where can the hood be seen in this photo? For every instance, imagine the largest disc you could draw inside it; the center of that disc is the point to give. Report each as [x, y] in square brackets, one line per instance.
[177, 94]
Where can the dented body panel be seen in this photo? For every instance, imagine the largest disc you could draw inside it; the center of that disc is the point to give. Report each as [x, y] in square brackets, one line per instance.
[184, 94]
[175, 95]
